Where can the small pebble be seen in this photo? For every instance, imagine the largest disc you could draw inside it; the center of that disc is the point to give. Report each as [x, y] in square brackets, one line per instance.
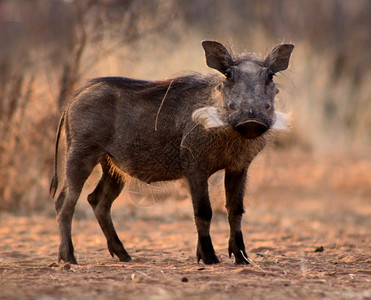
[319, 249]
[184, 279]
[67, 266]
[53, 265]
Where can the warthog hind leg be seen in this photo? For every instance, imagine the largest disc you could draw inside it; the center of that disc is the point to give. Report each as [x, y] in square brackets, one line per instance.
[101, 199]
[79, 165]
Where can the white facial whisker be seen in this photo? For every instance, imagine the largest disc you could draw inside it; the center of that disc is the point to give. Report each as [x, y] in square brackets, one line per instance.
[282, 121]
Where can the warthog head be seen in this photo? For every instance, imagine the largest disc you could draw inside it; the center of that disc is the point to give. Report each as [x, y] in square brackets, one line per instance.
[247, 91]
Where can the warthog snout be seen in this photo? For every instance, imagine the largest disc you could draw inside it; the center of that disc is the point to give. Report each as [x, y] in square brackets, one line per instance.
[250, 124]
[251, 129]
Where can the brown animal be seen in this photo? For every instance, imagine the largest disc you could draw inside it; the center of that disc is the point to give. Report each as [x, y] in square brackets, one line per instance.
[186, 127]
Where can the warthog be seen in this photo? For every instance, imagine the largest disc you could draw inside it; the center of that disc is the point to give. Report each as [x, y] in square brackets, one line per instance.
[186, 127]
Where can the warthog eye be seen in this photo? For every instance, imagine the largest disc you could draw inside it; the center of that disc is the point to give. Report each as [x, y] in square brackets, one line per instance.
[231, 106]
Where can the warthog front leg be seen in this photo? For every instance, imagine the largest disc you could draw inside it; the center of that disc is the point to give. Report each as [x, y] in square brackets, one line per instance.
[101, 199]
[203, 214]
[235, 189]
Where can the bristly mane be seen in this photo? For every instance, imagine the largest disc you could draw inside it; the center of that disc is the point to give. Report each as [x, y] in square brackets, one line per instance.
[182, 85]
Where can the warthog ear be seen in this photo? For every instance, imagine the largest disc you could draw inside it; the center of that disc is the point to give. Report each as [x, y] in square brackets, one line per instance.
[217, 56]
[278, 59]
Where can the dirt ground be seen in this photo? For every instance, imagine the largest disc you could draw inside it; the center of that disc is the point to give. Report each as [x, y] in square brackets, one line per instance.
[307, 230]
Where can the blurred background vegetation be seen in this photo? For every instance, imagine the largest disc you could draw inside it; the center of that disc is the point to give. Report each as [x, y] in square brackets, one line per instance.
[48, 48]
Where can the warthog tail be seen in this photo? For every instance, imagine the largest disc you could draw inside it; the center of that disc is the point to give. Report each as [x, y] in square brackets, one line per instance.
[54, 182]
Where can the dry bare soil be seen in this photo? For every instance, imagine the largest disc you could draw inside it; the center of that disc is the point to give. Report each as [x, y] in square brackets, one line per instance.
[307, 231]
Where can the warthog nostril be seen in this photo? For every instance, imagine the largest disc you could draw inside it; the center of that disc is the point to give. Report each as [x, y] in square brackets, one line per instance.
[251, 129]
